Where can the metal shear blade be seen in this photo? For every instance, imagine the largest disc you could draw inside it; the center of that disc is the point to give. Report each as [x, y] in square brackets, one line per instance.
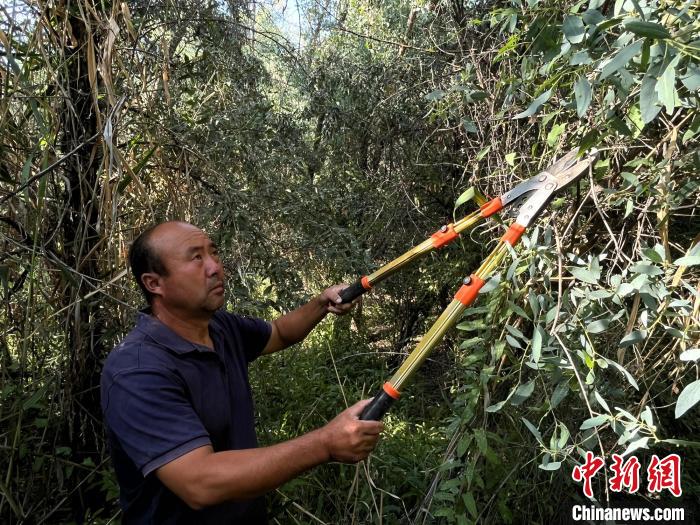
[555, 177]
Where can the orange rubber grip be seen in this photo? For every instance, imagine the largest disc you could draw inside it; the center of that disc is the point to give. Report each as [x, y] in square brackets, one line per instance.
[441, 238]
[391, 391]
[365, 283]
[491, 207]
[513, 234]
[468, 292]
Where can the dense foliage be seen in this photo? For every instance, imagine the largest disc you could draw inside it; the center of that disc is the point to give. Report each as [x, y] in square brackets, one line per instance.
[312, 164]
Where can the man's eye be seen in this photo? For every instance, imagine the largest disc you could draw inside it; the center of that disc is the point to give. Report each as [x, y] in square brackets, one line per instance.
[197, 257]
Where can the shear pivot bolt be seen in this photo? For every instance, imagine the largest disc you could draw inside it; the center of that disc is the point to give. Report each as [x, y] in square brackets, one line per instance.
[549, 186]
[443, 228]
[542, 178]
[467, 280]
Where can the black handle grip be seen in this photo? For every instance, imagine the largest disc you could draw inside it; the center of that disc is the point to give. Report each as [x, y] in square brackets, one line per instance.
[377, 407]
[352, 292]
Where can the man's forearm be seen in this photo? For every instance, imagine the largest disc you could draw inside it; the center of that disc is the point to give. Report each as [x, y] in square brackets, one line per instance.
[202, 477]
[245, 474]
[296, 325]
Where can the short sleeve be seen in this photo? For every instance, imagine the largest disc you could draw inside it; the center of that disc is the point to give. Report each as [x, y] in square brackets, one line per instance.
[254, 333]
[151, 418]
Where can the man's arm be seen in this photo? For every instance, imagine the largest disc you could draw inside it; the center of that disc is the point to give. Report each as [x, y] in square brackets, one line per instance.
[296, 325]
[202, 477]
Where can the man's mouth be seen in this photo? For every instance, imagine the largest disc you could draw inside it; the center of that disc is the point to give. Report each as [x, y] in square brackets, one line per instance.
[218, 287]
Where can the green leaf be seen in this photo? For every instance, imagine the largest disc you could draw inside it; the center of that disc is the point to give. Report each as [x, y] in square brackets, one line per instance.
[533, 429]
[690, 355]
[635, 445]
[515, 332]
[624, 372]
[512, 341]
[469, 502]
[691, 78]
[469, 126]
[634, 337]
[646, 29]
[553, 465]
[682, 443]
[495, 407]
[598, 326]
[435, 95]
[582, 93]
[466, 196]
[478, 95]
[580, 58]
[522, 393]
[593, 422]
[483, 152]
[648, 99]
[535, 105]
[621, 59]
[666, 86]
[574, 30]
[584, 274]
[647, 269]
[559, 393]
[688, 260]
[652, 255]
[688, 398]
[601, 401]
[510, 159]
[554, 134]
[635, 117]
[537, 338]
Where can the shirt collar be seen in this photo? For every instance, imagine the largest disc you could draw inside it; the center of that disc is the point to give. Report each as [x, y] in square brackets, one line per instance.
[153, 327]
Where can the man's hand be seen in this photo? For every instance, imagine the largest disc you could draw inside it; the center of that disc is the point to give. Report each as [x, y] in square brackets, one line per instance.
[296, 325]
[330, 297]
[348, 439]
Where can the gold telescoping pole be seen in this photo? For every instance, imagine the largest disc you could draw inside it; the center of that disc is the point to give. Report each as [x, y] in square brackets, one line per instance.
[466, 295]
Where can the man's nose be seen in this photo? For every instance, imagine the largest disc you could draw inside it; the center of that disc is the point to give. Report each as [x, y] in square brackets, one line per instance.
[214, 266]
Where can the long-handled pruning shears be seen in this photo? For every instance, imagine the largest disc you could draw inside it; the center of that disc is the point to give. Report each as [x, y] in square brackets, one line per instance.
[541, 188]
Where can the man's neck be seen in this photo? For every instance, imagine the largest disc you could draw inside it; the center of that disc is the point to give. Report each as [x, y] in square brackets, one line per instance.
[195, 330]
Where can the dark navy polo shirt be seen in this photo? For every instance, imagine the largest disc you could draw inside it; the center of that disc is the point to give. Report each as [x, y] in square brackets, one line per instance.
[164, 396]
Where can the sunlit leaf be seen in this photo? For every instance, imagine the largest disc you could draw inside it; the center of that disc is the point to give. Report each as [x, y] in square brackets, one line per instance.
[535, 105]
[594, 422]
[634, 337]
[688, 398]
[690, 355]
[666, 86]
[598, 326]
[466, 196]
[584, 274]
[573, 28]
[621, 59]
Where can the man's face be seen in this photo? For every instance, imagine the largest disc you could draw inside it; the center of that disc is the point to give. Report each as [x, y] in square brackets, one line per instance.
[194, 283]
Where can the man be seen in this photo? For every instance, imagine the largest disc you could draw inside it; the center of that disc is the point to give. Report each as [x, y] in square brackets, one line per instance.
[176, 399]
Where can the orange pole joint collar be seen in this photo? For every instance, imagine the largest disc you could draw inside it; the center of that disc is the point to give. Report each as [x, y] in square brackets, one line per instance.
[491, 207]
[365, 283]
[513, 234]
[391, 391]
[444, 235]
[469, 290]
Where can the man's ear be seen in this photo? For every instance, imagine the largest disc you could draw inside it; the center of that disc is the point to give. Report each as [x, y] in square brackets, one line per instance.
[152, 283]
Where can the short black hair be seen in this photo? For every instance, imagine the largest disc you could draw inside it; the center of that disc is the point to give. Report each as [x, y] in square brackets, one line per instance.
[143, 258]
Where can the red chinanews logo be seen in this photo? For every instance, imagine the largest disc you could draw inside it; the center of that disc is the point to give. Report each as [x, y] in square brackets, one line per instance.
[661, 474]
